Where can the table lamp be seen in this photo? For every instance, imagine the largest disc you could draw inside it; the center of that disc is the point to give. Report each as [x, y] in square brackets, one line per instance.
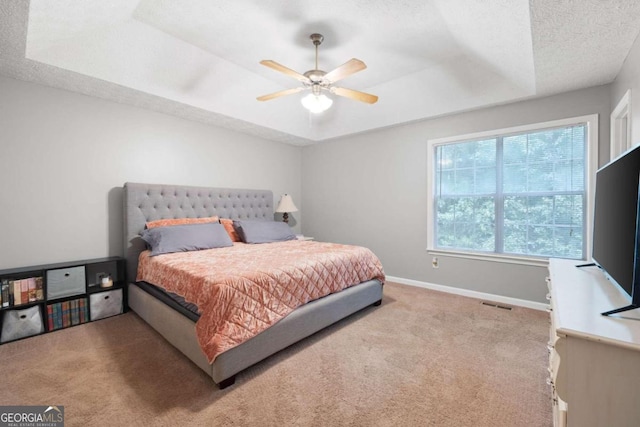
[285, 206]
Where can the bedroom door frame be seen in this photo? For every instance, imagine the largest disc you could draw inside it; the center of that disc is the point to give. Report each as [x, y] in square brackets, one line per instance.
[621, 127]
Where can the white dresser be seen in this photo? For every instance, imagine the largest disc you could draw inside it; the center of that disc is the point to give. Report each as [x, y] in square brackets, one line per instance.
[594, 360]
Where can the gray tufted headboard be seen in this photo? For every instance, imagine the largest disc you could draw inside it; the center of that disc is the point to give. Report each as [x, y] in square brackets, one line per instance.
[148, 202]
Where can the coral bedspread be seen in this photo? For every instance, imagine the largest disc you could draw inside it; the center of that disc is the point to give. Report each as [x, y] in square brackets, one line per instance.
[242, 290]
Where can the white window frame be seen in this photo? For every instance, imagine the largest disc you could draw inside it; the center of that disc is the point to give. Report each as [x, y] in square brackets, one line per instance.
[591, 161]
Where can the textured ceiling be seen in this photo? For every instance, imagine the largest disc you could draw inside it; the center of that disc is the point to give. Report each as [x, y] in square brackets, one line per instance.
[199, 59]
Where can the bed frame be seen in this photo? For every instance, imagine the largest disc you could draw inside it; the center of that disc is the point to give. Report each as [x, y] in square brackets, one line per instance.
[147, 202]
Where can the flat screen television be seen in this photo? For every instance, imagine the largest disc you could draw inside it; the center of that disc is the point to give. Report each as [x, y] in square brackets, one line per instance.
[615, 224]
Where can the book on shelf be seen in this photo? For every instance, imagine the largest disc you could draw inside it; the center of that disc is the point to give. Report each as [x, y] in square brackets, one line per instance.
[50, 317]
[24, 291]
[66, 318]
[75, 312]
[73, 306]
[17, 292]
[31, 282]
[67, 313]
[11, 298]
[82, 310]
[57, 316]
[21, 291]
[39, 289]
[5, 292]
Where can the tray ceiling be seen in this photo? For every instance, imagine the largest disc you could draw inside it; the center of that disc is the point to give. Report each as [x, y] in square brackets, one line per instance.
[199, 59]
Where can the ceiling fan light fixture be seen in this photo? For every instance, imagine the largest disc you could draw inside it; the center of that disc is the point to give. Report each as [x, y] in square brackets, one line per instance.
[316, 103]
[318, 80]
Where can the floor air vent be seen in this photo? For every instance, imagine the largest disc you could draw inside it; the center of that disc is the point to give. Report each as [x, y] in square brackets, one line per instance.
[491, 304]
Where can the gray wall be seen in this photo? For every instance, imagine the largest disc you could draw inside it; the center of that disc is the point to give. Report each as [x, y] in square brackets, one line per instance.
[371, 190]
[629, 78]
[64, 158]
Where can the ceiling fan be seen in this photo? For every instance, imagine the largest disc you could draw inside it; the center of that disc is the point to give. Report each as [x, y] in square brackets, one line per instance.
[318, 81]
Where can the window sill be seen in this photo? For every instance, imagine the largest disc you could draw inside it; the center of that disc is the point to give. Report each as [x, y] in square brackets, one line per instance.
[508, 259]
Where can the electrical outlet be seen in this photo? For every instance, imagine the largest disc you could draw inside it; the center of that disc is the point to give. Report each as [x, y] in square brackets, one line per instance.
[434, 262]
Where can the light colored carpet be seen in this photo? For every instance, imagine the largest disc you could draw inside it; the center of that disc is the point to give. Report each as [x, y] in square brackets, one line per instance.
[422, 358]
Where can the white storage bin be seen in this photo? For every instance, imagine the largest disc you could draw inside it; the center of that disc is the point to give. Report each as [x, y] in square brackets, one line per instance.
[105, 304]
[21, 323]
[65, 282]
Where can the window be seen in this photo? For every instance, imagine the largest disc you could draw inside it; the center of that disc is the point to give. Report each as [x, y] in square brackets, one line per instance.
[519, 193]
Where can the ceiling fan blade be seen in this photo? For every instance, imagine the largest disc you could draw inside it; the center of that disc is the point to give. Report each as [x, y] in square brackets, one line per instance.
[345, 70]
[279, 94]
[354, 94]
[281, 68]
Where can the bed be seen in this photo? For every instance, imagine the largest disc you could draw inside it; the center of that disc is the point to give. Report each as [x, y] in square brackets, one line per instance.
[176, 321]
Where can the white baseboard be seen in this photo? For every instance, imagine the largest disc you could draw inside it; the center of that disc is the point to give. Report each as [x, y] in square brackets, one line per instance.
[472, 294]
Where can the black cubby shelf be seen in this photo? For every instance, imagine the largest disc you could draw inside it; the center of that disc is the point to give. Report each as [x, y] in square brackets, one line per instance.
[60, 295]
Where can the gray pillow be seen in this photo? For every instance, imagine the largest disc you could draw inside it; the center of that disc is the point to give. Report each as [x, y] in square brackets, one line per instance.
[182, 238]
[263, 231]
